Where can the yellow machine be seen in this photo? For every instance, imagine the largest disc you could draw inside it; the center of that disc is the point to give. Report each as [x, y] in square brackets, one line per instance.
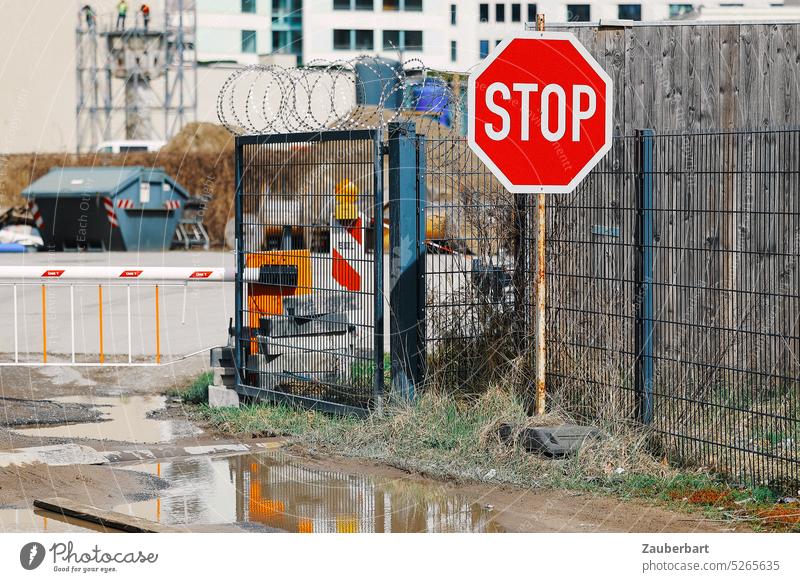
[346, 194]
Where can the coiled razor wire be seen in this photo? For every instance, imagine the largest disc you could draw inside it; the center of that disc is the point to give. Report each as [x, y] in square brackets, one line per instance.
[323, 96]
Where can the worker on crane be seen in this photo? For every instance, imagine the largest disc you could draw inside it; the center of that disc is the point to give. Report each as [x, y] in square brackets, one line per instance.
[122, 12]
[145, 10]
[90, 16]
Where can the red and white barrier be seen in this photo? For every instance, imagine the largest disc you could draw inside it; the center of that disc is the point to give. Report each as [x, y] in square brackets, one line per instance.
[348, 257]
[37, 216]
[172, 204]
[108, 204]
[125, 203]
[121, 274]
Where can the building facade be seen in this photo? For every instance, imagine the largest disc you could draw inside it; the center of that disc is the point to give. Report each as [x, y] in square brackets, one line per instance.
[232, 30]
[456, 34]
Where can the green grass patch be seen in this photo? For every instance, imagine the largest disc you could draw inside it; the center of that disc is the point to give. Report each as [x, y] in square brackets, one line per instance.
[274, 420]
[197, 391]
[449, 437]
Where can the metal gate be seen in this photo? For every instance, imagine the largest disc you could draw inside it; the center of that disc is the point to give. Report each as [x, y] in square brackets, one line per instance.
[309, 300]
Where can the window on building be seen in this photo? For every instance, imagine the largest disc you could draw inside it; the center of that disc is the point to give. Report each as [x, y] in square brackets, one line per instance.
[341, 39]
[500, 12]
[290, 6]
[516, 12]
[484, 49]
[676, 10]
[413, 40]
[407, 5]
[249, 6]
[404, 40]
[248, 41]
[483, 9]
[364, 40]
[453, 51]
[391, 40]
[287, 42]
[353, 40]
[630, 12]
[353, 4]
[578, 13]
[531, 13]
[279, 40]
[453, 14]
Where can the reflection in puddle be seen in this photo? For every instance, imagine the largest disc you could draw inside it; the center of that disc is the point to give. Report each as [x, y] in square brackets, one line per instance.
[271, 490]
[125, 419]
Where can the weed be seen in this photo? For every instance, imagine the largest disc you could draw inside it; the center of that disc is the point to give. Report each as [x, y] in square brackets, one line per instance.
[197, 391]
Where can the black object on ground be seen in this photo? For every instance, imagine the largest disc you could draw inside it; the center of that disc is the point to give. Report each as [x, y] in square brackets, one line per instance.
[551, 441]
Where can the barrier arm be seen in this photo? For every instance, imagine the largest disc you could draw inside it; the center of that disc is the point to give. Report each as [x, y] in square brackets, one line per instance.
[108, 275]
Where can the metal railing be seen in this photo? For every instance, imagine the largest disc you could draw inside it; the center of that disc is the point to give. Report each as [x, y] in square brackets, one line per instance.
[46, 286]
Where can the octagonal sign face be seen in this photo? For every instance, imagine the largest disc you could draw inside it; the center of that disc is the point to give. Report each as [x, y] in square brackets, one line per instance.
[540, 112]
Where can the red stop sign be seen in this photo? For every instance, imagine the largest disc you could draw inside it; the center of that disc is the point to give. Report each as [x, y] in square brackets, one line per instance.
[540, 113]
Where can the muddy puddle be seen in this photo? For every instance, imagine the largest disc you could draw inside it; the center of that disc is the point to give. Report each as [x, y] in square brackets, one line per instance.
[272, 491]
[124, 418]
[27, 520]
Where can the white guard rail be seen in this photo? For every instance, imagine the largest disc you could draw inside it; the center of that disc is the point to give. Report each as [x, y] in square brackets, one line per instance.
[101, 277]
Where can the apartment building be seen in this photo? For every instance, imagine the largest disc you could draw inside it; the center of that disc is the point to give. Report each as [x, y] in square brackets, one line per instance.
[233, 30]
[456, 34]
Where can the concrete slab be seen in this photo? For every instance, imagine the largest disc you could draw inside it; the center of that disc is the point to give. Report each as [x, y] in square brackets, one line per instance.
[222, 396]
[102, 517]
[224, 377]
[53, 455]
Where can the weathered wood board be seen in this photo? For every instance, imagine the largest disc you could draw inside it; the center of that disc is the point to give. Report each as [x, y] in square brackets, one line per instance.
[693, 76]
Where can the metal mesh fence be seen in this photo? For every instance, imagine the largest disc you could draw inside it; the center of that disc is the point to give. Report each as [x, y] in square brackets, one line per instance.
[697, 245]
[591, 287]
[726, 228]
[307, 325]
[477, 272]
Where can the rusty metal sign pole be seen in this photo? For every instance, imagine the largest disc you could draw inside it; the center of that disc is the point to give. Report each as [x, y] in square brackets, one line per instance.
[541, 350]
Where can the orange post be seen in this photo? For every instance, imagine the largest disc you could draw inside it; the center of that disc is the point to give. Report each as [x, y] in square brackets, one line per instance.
[158, 333]
[541, 277]
[100, 298]
[44, 325]
[158, 499]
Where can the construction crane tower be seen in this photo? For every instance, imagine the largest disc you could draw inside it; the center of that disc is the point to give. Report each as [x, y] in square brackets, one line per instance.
[137, 82]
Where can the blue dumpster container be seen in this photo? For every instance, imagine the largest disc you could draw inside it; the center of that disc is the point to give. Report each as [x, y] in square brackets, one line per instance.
[106, 208]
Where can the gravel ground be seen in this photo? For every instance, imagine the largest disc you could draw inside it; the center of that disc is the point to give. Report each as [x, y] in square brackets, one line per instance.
[19, 412]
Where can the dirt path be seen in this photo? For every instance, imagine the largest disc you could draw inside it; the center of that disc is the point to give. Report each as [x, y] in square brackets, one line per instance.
[542, 510]
[97, 485]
